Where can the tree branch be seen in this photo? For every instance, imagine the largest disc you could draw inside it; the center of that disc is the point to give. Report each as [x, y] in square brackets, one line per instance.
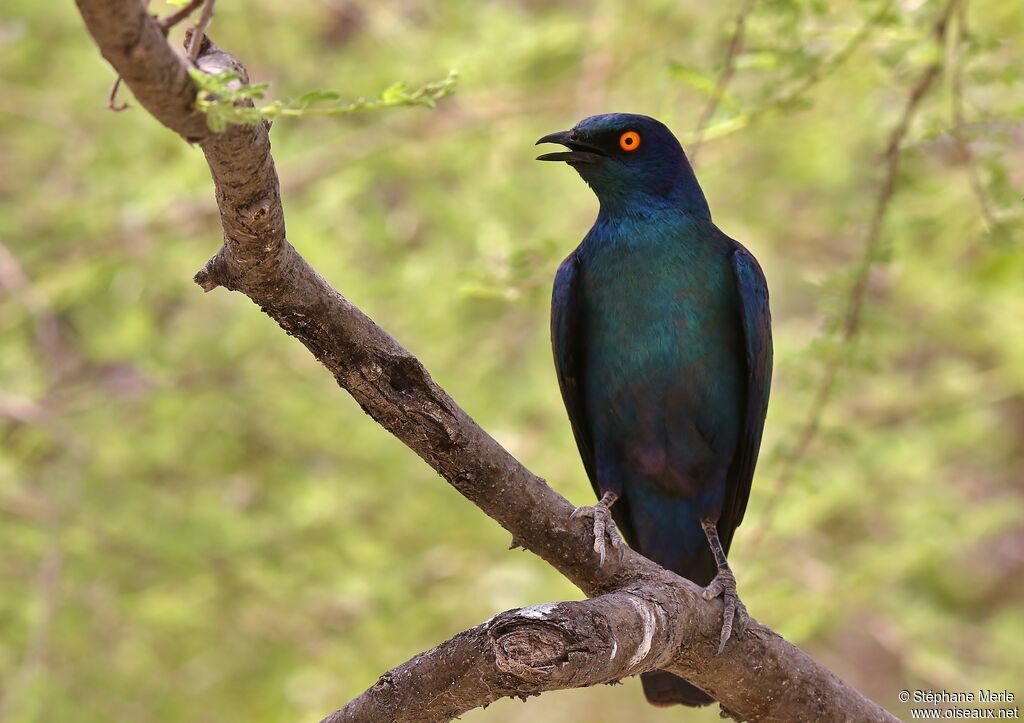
[724, 77]
[644, 627]
[199, 31]
[781, 100]
[856, 297]
[956, 93]
[522, 653]
[758, 677]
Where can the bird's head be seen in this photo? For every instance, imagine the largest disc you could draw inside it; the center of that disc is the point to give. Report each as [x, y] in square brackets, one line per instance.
[631, 161]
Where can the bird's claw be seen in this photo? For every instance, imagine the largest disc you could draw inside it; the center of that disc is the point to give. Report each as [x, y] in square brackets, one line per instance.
[734, 614]
[604, 526]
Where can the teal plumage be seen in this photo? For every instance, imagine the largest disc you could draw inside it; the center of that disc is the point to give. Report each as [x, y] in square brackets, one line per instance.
[662, 342]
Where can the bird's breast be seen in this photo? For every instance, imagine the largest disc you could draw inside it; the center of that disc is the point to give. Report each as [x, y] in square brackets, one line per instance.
[662, 340]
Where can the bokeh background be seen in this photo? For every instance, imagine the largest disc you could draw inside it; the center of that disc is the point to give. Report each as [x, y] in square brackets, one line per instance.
[197, 525]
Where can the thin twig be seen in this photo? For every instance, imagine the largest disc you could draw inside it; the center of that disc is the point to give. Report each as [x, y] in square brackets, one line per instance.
[851, 319]
[166, 23]
[15, 282]
[56, 356]
[46, 592]
[199, 31]
[724, 77]
[957, 103]
[829, 66]
[822, 71]
[112, 103]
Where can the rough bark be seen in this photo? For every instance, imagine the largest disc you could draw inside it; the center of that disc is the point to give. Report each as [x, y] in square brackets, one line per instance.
[640, 616]
[522, 653]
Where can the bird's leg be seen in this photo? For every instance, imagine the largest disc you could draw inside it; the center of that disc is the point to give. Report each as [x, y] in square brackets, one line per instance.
[603, 523]
[724, 585]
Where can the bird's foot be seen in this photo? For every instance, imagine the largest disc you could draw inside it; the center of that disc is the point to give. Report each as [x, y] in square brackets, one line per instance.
[604, 525]
[734, 616]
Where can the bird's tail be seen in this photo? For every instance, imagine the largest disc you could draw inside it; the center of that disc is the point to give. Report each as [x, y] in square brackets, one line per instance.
[663, 689]
[694, 561]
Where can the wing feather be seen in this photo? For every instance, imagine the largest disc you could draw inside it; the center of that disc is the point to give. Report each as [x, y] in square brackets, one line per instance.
[755, 318]
[567, 343]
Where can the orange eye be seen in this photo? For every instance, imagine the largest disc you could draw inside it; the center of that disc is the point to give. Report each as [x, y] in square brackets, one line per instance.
[629, 141]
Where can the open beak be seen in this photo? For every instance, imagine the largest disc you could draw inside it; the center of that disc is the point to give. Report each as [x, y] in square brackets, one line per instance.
[579, 152]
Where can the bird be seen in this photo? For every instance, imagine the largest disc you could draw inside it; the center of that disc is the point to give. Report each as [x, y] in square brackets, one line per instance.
[661, 333]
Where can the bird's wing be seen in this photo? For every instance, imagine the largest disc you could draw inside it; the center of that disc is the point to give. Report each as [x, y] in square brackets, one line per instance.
[757, 334]
[566, 340]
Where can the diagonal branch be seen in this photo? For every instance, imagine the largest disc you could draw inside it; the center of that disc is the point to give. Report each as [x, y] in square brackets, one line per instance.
[199, 31]
[724, 77]
[856, 300]
[783, 99]
[758, 677]
[956, 93]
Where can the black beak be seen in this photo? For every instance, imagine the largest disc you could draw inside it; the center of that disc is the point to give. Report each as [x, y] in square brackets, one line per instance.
[579, 152]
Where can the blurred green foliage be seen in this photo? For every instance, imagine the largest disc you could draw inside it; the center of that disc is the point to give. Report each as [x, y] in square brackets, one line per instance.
[196, 524]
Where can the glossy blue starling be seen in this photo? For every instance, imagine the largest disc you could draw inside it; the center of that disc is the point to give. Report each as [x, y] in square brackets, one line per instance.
[663, 351]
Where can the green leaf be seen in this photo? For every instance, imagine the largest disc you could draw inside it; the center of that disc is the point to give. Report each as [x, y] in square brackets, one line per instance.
[693, 77]
[763, 60]
[216, 122]
[394, 93]
[316, 96]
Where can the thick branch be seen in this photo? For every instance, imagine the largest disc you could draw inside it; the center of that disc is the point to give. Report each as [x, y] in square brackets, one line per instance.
[135, 45]
[759, 676]
[525, 652]
[389, 383]
[574, 645]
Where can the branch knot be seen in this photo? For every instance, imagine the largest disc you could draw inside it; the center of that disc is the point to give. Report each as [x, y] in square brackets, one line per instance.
[526, 645]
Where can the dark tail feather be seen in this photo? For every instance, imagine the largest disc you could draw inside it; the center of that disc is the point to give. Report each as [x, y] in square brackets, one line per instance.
[661, 543]
[664, 689]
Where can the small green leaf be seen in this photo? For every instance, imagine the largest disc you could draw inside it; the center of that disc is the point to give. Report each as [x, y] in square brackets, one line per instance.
[693, 77]
[216, 122]
[763, 60]
[394, 93]
[316, 96]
